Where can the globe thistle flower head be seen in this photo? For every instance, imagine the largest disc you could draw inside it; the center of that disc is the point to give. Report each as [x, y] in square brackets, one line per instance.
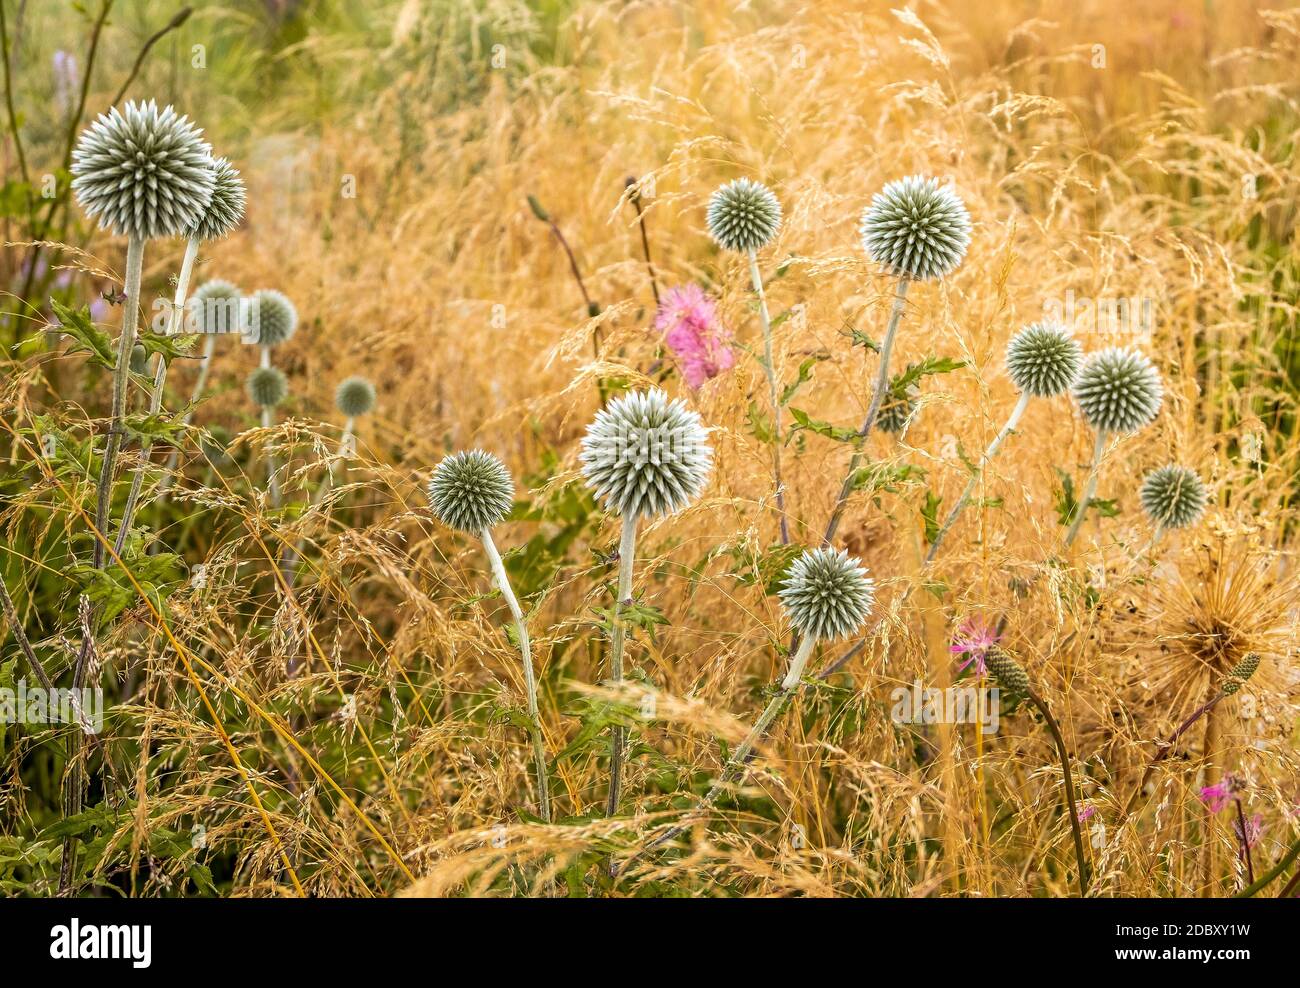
[827, 594]
[267, 386]
[354, 397]
[1044, 360]
[271, 317]
[916, 228]
[216, 307]
[743, 215]
[226, 207]
[143, 172]
[1173, 496]
[471, 490]
[646, 454]
[1118, 390]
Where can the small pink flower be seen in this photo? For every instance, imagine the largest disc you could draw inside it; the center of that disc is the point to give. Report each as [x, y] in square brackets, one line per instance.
[1254, 830]
[1219, 795]
[688, 320]
[1086, 812]
[974, 638]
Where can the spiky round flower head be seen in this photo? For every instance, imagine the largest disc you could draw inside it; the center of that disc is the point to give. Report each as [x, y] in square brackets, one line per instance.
[354, 397]
[1173, 496]
[272, 318]
[267, 386]
[471, 490]
[827, 594]
[916, 228]
[1009, 674]
[1118, 390]
[1043, 359]
[743, 215]
[226, 207]
[217, 307]
[645, 454]
[1240, 673]
[143, 172]
[895, 412]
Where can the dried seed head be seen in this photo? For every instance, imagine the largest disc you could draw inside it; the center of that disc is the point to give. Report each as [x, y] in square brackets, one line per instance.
[1043, 359]
[271, 317]
[226, 207]
[355, 397]
[646, 454]
[471, 490]
[743, 215]
[267, 386]
[1118, 390]
[827, 594]
[1173, 496]
[916, 228]
[142, 172]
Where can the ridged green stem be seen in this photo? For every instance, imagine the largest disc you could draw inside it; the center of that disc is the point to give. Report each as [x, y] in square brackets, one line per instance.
[774, 395]
[618, 734]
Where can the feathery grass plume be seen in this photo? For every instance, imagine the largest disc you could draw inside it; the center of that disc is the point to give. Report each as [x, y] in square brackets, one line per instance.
[916, 230]
[1043, 361]
[473, 491]
[826, 595]
[1173, 497]
[1012, 679]
[222, 214]
[1118, 391]
[142, 173]
[744, 216]
[644, 455]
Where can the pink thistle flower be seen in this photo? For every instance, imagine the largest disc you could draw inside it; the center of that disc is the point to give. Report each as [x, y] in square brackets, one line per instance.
[1086, 811]
[688, 320]
[974, 638]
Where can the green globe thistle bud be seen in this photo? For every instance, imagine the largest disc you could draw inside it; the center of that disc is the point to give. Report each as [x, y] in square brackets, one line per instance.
[645, 454]
[355, 397]
[827, 594]
[1173, 497]
[216, 307]
[471, 490]
[1043, 360]
[139, 359]
[1118, 390]
[743, 215]
[271, 317]
[916, 228]
[1009, 674]
[1240, 673]
[267, 386]
[143, 172]
[895, 412]
[226, 207]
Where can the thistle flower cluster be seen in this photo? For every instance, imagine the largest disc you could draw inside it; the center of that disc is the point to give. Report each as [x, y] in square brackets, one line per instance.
[827, 594]
[743, 215]
[471, 490]
[272, 318]
[1173, 496]
[646, 454]
[143, 172]
[354, 397]
[1043, 360]
[916, 228]
[1118, 390]
[267, 386]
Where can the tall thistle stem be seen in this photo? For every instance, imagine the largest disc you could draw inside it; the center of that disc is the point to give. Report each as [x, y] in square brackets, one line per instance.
[774, 394]
[618, 734]
[1067, 779]
[989, 453]
[877, 396]
[121, 376]
[740, 757]
[530, 681]
[1089, 491]
[159, 380]
[201, 382]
